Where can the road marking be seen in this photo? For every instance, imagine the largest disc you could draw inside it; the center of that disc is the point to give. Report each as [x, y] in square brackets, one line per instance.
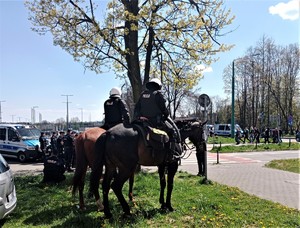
[212, 159]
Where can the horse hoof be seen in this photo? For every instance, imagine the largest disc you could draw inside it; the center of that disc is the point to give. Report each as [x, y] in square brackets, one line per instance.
[163, 207]
[101, 209]
[127, 215]
[82, 208]
[100, 205]
[108, 215]
[170, 209]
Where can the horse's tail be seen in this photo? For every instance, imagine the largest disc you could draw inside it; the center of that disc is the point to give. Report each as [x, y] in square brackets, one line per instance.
[97, 166]
[81, 163]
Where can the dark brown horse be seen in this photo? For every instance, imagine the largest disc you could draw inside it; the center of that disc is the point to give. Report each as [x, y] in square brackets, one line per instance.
[121, 149]
[84, 149]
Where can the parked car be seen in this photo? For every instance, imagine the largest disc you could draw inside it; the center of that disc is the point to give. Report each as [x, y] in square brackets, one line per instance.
[225, 129]
[20, 141]
[8, 196]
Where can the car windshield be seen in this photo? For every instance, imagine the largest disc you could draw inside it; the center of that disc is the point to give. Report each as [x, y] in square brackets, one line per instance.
[3, 165]
[29, 133]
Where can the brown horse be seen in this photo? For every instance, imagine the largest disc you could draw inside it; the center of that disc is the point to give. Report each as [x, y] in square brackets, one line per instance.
[84, 149]
[121, 149]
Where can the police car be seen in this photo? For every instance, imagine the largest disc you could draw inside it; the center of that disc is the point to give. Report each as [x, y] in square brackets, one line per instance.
[20, 141]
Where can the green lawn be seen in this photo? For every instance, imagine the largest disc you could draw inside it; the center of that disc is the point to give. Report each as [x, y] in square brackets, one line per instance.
[253, 147]
[196, 205]
[291, 165]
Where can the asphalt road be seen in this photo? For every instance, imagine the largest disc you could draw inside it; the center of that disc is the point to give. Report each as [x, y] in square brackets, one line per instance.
[237, 158]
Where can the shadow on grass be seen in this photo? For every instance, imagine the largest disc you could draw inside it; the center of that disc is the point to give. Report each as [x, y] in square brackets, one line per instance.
[71, 216]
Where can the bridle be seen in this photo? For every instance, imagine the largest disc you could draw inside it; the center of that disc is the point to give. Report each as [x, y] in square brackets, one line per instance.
[189, 127]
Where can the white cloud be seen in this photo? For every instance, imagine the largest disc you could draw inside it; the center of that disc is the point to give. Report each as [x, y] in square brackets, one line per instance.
[287, 11]
[204, 69]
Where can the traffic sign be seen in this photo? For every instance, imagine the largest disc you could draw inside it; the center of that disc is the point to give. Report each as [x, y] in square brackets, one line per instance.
[204, 100]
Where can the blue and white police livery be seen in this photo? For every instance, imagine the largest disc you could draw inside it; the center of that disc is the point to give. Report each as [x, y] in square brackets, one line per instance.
[20, 141]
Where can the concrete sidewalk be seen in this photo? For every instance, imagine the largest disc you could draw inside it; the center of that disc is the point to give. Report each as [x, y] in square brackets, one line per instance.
[255, 179]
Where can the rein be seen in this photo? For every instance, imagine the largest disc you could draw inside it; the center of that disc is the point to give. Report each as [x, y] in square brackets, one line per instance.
[186, 147]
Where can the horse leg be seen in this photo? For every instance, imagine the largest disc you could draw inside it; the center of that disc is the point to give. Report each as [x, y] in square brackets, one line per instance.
[117, 187]
[94, 185]
[131, 181]
[105, 190]
[162, 179]
[172, 169]
[78, 182]
[80, 190]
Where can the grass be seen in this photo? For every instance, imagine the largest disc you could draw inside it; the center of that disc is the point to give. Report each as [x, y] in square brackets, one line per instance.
[291, 165]
[253, 147]
[220, 139]
[196, 205]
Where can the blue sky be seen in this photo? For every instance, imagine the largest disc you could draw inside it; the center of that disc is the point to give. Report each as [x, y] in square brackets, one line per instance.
[33, 72]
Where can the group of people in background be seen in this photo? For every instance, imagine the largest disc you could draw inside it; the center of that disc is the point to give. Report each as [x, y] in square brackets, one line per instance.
[62, 155]
[253, 135]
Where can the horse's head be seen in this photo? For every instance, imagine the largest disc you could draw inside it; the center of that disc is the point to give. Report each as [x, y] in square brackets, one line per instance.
[194, 130]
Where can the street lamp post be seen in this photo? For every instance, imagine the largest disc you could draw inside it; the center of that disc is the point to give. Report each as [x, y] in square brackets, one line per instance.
[81, 114]
[67, 108]
[1, 112]
[232, 102]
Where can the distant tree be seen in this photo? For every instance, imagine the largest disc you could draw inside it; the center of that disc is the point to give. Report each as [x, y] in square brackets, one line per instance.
[266, 85]
[179, 85]
[75, 120]
[135, 34]
[60, 120]
[189, 105]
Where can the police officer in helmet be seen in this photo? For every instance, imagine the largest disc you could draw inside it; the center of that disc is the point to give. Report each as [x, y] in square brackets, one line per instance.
[115, 110]
[152, 106]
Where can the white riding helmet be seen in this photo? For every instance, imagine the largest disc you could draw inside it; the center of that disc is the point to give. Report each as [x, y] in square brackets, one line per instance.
[115, 92]
[155, 81]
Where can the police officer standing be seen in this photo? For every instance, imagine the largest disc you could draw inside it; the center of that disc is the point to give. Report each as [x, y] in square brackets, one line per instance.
[115, 110]
[53, 142]
[60, 143]
[152, 106]
[43, 142]
[68, 150]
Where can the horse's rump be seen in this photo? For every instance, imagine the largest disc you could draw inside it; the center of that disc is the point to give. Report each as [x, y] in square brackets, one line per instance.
[84, 152]
[84, 146]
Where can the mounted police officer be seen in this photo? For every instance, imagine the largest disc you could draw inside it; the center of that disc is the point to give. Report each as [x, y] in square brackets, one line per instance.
[115, 110]
[152, 107]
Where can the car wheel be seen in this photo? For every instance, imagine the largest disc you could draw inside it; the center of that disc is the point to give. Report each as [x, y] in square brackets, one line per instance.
[21, 157]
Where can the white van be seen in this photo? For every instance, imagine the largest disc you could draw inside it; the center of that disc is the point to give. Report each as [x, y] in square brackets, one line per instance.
[225, 129]
[20, 141]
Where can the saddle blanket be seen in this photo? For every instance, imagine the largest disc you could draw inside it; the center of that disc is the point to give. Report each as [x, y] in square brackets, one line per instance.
[157, 135]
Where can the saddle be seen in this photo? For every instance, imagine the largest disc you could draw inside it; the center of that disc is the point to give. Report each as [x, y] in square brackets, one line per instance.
[153, 137]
